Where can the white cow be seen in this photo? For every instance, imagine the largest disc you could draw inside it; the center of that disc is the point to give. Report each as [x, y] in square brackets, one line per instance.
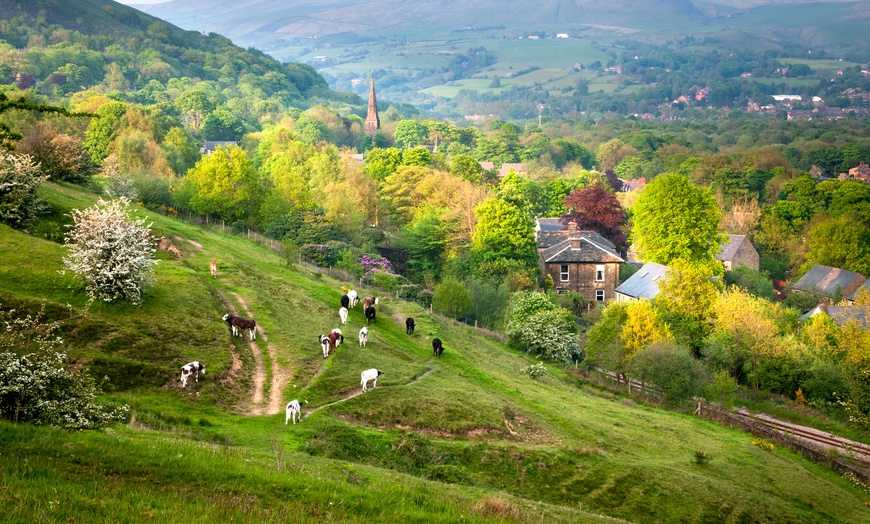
[363, 336]
[194, 368]
[342, 313]
[294, 412]
[370, 374]
[353, 297]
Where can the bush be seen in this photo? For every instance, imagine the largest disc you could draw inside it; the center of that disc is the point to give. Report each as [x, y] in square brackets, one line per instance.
[36, 387]
[19, 179]
[452, 298]
[113, 254]
[60, 157]
[535, 370]
[670, 367]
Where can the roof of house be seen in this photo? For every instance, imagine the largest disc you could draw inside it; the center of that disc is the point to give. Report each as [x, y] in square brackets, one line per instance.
[211, 145]
[825, 280]
[841, 314]
[583, 246]
[854, 295]
[644, 283]
[506, 167]
[549, 224]
[729, 249]
[487, 166]
[547, 237]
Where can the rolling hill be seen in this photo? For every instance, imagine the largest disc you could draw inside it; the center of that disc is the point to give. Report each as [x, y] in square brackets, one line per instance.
[464, 437]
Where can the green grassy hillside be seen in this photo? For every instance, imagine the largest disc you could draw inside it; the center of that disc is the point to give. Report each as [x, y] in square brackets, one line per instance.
[466, 437]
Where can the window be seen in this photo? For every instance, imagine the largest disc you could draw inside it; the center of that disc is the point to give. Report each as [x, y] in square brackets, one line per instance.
[599, 295]
[563, 275]
[599, 273]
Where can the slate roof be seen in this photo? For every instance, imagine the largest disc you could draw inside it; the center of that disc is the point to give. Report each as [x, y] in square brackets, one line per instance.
[729, 250]
[549, 224]
[211, 145]
[841, 314]
[866, 286]
[591, 248]
[825, 280]
[547, 238]
[644, 283]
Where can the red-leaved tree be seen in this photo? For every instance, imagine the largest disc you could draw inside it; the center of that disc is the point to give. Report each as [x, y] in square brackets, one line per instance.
[595, 208]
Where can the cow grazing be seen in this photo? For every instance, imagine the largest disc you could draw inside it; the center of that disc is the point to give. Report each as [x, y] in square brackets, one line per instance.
[329, 342]
[214, 269]
[294, 411]
[345, 301]
[240, 324]
[363, 336]
[342, 314]
[370, 314]
[369, 301]
[340, 339]
[437, 347]
[354, 297]
[409, 325]
[370, 374]
[194, 368]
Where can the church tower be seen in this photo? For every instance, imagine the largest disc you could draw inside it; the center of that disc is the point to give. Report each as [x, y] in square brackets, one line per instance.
[373, 121]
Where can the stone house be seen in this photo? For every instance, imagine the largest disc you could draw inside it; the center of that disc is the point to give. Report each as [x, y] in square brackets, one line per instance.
[828, 281]
[580, 261]
[738, 250]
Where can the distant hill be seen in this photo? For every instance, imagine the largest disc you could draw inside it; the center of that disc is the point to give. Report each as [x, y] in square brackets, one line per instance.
[265, 24]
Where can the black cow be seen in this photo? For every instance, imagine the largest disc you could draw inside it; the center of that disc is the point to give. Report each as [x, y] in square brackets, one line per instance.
[409, 325]
[370, 314]
[345, 301]
[437, 348]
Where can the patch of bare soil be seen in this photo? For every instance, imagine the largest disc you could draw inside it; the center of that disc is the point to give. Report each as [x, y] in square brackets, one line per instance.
[193, 243]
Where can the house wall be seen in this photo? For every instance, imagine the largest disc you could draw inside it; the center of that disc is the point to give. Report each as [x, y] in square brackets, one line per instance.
[582, 279]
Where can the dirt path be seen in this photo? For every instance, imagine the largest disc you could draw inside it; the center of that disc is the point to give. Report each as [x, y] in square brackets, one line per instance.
[359, 392]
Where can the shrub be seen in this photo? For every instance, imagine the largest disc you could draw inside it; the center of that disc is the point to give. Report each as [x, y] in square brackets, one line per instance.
[36, 387]
[535, 370]
[113, 254]
[670, 367]
[452, 298]
[60, 157]
[701, 458]
[19, 179]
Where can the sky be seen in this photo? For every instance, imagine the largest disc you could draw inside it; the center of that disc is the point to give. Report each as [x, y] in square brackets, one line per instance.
[128, 2]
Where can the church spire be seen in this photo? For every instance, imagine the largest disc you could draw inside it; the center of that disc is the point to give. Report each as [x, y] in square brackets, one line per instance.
[373, 122]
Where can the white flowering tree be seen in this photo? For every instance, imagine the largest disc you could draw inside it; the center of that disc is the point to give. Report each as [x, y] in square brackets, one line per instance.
[19, 178]
[111, 252]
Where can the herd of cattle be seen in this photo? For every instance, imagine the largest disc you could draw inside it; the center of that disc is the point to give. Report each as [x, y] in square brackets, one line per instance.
[328, 342]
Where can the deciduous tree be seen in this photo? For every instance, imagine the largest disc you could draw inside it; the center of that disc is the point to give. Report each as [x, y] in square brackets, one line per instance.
[597, 209]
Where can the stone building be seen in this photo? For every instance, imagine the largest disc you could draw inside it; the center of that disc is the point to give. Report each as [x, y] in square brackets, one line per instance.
[738, 250]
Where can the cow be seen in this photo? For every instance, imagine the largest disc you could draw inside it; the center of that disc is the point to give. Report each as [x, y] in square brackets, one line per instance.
[342, 314]
[354, 297]
[437, 347]
[194, 368]
[363, 336]
[370, 374]
[294, 411]
[409, 325]
[214, 269]
[329, 342]
[369, 301]
[345, 301]
[370, 314]
[240, 324]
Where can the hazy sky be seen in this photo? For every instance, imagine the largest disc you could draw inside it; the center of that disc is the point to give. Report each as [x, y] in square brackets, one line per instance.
[128, 2]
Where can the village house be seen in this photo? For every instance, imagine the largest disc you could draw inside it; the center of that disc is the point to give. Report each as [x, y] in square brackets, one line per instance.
[841, 315]
[738, 250]
[829, 281]
[209, 146]
[579, 261]
[643, 285]
[860, 172]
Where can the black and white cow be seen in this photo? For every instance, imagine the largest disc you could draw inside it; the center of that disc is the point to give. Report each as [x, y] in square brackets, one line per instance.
[294, 412]
[240, 324]
[370, 374]
[194, 368]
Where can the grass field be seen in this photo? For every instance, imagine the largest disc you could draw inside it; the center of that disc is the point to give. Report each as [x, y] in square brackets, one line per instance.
[466, 437]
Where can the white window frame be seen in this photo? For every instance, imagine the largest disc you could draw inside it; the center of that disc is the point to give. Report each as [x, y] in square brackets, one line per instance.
[564, 273]
[600, 272]
[599, 295]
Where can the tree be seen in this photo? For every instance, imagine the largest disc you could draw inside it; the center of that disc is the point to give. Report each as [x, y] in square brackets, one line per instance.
[670, 367]
[673, 219]
[195, 106]
[416, 156]
[381, 163]
[597, 209]
[103, 130]
[410, 133]
[111, 252]
[467, 168]
[840, 242]
[687, 296]
[223, 183]
[611, 153]
[452, 298]
[19, 179]
[7, 136]
[503, 232]
[61, 157]
[222, 124]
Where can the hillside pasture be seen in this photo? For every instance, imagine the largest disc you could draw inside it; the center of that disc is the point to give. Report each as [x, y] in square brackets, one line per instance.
[474, 435]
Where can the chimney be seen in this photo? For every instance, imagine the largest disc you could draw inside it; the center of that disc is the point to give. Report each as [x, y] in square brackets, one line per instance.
[575, 243]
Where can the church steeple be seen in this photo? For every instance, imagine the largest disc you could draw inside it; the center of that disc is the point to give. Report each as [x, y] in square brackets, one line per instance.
[373, 121]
